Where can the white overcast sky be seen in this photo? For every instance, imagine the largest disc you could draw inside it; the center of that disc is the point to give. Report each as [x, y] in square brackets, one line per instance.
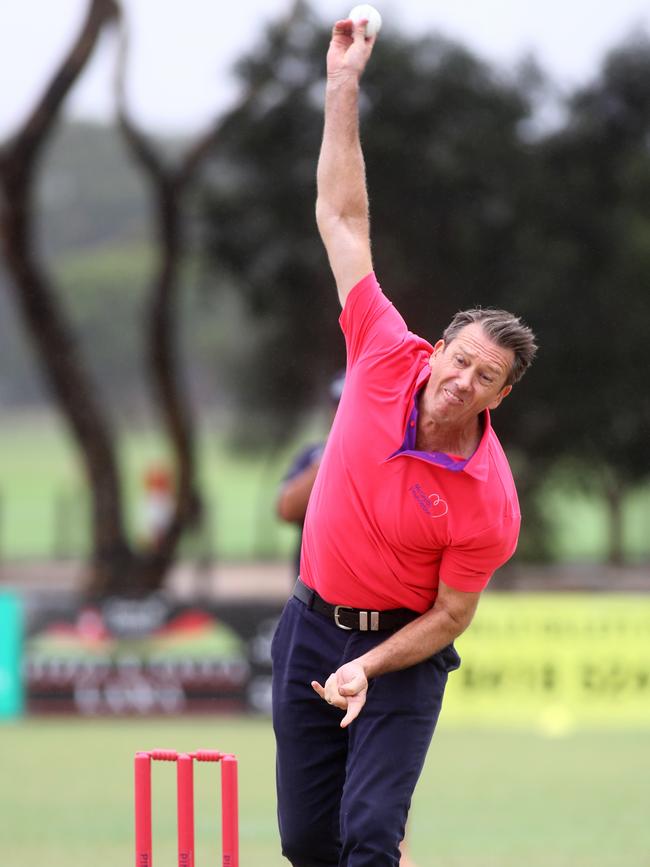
[183, 49]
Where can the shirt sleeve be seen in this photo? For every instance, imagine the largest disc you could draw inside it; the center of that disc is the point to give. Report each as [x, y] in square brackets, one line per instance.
[469, 564]
[303, 459]
[370, 323]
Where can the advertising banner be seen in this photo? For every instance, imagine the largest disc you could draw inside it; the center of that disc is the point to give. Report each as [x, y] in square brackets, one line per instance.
[150, 656]
[554, 661]
[548, 661]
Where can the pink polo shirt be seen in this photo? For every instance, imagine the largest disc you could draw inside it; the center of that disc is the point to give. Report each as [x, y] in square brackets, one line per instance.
[386, 522]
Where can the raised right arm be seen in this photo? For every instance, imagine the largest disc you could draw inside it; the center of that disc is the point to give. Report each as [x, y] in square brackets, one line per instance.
[342, 212]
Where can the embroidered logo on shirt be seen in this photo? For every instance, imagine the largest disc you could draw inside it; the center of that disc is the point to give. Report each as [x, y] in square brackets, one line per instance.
[432, 504]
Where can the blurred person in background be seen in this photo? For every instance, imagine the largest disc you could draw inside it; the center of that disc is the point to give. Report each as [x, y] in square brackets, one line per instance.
[291, 504]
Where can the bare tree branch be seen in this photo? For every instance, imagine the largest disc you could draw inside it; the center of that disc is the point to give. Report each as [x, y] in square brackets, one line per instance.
[44, 318]
[169, 185]
[164, 366]
[140, 146]
[25, 145]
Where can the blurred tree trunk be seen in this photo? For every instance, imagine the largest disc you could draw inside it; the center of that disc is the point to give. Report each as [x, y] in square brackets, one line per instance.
[43, 316]
[115, 567]
[168, 187]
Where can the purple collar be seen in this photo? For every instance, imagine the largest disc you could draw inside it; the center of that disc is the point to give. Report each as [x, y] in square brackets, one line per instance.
[441, 459]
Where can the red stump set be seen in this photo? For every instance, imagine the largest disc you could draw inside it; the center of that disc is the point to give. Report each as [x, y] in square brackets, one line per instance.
[185, 805]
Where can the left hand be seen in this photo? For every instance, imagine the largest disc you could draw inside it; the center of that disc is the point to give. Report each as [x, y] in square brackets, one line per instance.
[346, 688]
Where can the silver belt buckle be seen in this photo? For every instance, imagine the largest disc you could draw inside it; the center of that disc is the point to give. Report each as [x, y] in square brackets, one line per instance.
[363, 619]
[374, 621]
[340, 625]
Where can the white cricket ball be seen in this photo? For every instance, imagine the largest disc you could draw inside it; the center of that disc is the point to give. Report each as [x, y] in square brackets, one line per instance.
[365, 10]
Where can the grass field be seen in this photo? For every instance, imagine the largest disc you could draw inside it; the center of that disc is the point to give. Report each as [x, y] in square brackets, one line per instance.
[42, 499]
[43, 511]
[486, 798]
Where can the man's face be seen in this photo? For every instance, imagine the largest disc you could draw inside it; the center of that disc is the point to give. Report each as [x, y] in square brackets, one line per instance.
[467, 376]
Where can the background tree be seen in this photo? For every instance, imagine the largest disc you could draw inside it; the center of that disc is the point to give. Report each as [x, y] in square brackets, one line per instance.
[447, 166]
[261, 230]
[584, 251]
[443, 156]
[43, 316]
[116, 566]
[467, 208]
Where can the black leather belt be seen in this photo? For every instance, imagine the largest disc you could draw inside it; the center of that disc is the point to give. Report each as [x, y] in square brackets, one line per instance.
[354, 618]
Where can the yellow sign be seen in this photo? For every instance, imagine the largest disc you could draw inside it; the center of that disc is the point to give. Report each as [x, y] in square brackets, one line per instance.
[554, 661]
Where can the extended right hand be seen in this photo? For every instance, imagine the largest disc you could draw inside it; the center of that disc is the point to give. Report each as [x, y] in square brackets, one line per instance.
[349, 49]
[346, 689]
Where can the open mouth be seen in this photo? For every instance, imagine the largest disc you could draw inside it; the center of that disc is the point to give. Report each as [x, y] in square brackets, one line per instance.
[453, 398]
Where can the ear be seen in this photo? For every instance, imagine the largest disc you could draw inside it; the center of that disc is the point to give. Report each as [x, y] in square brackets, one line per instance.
[505, 391]
[437, 349]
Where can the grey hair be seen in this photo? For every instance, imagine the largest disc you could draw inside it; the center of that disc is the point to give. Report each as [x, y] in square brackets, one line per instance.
[505, 329]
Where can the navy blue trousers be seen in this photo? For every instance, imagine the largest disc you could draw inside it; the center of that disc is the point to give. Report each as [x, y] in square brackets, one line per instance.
[344, 794]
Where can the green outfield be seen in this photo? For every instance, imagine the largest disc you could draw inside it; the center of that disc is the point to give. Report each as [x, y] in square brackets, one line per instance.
[43, 509]
[486, 798]
[43, 506]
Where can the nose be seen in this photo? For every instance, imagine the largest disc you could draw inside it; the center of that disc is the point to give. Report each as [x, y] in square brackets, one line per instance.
[464, 379]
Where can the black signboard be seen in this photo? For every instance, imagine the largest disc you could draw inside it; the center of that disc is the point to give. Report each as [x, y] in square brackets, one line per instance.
[150, 656]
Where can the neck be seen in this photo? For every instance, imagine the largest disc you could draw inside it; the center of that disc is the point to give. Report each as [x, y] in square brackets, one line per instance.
[434, 435]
